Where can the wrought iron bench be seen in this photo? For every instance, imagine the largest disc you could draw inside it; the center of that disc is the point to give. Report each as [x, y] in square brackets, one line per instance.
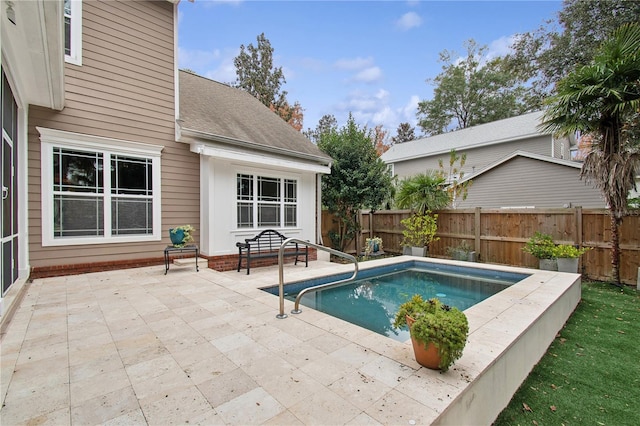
[266, 244]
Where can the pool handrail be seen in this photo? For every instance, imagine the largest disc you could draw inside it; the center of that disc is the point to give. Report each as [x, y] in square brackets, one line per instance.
[296, 309]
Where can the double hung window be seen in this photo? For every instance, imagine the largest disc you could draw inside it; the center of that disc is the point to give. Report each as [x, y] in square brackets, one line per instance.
[96, 193]
[266, 202]
[73, 31]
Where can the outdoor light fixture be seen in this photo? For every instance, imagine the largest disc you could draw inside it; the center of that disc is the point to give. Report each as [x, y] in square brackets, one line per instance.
[11, 14]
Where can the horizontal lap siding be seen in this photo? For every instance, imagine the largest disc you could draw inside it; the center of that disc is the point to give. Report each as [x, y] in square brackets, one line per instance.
[123, 90]
[477, 158]
[527, 182]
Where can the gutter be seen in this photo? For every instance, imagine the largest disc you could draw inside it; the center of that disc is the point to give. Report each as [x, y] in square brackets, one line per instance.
[252, 145]
[461, 148]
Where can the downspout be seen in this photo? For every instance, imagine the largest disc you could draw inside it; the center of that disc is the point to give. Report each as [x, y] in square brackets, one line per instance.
[319, 209]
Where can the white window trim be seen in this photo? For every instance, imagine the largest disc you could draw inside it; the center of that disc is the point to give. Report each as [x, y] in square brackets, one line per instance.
[76, 34]
[69, 140]
[255, 202]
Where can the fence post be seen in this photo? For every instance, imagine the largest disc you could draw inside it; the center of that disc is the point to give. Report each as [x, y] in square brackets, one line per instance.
[371, 233]
[578, 222]
[476, 225]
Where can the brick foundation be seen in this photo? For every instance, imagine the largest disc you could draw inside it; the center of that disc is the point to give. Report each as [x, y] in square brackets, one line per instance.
[228, 262]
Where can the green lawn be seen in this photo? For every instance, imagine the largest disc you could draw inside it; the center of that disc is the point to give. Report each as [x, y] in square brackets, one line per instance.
[590, 374]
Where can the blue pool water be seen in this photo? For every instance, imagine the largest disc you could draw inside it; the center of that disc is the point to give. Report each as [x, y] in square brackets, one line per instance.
[372, 300]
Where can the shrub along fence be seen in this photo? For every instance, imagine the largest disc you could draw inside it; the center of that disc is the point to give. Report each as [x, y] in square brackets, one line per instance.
[498, 235]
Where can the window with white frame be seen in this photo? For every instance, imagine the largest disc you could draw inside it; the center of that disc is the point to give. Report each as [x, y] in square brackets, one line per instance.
[73, 31]
[96, 190]
[266, 202]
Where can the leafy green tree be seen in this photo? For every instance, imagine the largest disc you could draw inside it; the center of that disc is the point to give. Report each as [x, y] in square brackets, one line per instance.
[325, 125]
[549, 53]
[405, 133]
[469, 92]
[359, 178]
[422, 192]
[257, 75]
[600, 99]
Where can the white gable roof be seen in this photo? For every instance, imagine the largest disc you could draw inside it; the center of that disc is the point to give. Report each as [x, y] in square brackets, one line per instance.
[509, 129]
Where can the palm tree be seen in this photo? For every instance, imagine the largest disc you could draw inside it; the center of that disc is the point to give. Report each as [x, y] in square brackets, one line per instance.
[423, 192]
[599, 100]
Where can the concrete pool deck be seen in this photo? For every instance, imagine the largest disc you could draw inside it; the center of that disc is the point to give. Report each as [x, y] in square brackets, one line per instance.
[137, 347]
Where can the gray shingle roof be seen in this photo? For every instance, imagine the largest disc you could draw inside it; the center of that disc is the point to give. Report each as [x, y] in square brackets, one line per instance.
[509, 129]
[224, 113]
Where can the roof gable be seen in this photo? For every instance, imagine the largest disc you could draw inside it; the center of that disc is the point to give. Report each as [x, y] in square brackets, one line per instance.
[501, 131]
[225, 114]
[530, 155]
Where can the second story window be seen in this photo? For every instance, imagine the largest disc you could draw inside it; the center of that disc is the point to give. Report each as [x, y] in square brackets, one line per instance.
[73, 31]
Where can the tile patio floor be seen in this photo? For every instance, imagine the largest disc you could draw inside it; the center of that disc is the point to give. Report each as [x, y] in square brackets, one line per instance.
[138, 347]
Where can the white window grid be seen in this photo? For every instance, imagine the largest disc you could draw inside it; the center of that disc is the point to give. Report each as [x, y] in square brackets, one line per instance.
[252, 203]
[109, 148]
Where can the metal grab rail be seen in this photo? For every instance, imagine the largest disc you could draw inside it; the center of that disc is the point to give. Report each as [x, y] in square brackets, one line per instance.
[282, 315]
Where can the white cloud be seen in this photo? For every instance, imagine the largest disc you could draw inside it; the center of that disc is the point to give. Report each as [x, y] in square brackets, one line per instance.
[370, 108]
[382, 95]
[353, 63]
[408, 112]
[368, 75]
[195, 59]
[375, 108]
[224, 70]
[224, 73]
[500, 47]
[409, 20]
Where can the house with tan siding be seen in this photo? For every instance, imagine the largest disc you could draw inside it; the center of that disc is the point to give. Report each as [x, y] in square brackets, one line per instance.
[102, 153]
[510, 162]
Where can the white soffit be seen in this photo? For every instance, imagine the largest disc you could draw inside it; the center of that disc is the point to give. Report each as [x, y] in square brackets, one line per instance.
[33, 51]
[258, 159]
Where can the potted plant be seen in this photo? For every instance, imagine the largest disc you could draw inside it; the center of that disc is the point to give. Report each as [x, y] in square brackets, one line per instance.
[568, 257]
[438, 332]
[462, 252]
[419, 231]
[372, 245]
[542, 246]
[181, 235]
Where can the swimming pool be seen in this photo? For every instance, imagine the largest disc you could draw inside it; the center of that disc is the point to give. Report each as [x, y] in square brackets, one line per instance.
[508, 334]
[373, 299]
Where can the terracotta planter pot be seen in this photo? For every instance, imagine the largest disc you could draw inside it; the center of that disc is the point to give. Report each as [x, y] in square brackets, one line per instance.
[425, 354]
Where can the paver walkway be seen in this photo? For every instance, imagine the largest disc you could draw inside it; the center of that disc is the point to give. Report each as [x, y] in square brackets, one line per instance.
[138, 347]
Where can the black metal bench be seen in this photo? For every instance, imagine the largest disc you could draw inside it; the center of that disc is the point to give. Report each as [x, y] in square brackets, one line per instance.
[267, 244]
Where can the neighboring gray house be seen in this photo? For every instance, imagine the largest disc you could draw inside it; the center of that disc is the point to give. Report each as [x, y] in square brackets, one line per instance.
[511, 164]
[526, 180]
[483, 144]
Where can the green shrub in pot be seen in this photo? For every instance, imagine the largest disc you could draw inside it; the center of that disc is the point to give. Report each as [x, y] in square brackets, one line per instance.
[434, 322]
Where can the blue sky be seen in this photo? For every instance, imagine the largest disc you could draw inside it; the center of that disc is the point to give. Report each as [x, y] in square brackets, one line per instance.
[370, 58]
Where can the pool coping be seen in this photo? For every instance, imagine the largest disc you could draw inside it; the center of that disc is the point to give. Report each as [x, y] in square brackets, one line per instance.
[508, 334]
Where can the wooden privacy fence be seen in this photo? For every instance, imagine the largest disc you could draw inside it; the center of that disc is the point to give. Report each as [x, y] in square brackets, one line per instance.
[498, 235]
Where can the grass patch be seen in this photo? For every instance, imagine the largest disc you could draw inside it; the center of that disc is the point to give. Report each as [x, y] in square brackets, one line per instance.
[590, 374]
